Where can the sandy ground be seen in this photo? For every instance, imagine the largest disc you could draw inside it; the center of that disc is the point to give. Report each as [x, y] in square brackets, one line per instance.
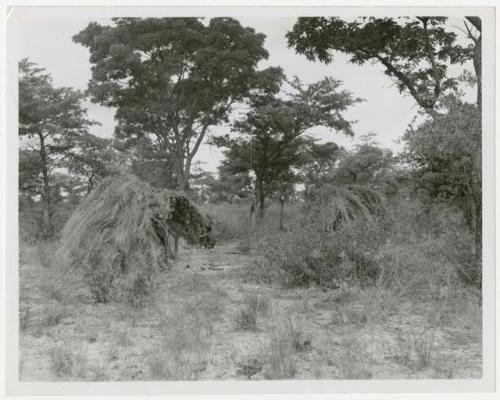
[361, 335]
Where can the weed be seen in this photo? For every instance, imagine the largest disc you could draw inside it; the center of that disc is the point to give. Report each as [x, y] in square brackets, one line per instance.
[52, 287]
[25, 316]
[424, 344]
[278, 356]
[53, 313]
[61, 360]
[297, 338]
[253, 304]
[45, 254]
[403, 350]
[249, 367]
[246, 319]
[68, 360]
[354, 362]
[122, 336]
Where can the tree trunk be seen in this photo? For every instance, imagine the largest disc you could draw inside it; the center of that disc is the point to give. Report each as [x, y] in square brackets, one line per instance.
[261, 199]
[476, 58]
[282, 213]
[477, 69]
[47, 223]
[252, 213]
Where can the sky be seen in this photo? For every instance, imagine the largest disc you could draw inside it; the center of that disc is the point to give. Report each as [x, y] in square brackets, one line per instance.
[46, 40]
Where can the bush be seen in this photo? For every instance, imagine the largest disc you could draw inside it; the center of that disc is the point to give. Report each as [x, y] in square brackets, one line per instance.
[229, 221]
[232, 221]
[438, 232]
[246, 318]
[306, 254]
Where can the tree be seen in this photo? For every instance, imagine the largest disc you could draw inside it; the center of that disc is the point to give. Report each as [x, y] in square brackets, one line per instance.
[415, 52]
[476, 54]
[271, 133]
[91, 158]
[201, 181]
[232, 181]
[171, 79]
[445, 154]
[49, 121]
[319, 162]
[367, 164]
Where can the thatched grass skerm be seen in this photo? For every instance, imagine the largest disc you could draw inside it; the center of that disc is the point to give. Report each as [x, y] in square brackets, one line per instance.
[332, 205]
[119, 236]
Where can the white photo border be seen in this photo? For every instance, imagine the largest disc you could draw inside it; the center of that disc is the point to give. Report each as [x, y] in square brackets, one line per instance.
[266, 9]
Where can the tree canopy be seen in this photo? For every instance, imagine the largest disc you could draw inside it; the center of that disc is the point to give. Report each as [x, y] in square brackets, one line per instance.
[172, 78]
[50, 120]
[416, 52]
[271, 135]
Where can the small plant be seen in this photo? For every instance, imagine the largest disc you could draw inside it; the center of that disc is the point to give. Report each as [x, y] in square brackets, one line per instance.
[298, 339]
[259, 303]
[278, 355]
[354, 362]
[51, 286]
[138, 291]
[249, 367]
[162, 366]
[157, 364]
[45, 253]
[254, 304]
[80, 361]
[122, 337]
[53, 314]
[403, 350]
[424, 345]
[61, 360]
[25, 315]
[246, 319]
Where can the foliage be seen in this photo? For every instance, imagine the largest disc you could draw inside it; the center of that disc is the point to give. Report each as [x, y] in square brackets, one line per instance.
[271, 133]
[49, 121]
[445, 155]
[415, 51]
[428, 246]
[119, 235]
[319, 160]
[337, 240]
[172, 78]
[91, 158]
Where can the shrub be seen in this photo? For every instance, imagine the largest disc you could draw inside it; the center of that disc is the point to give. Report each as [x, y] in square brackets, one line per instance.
[246, 318]
[307, 254]
[61, 360]
[25, 316]
[45, 253]
[440, 228]
[53, 313]
[354, 362]
[68, 360]
[228, 220]
[279, 357]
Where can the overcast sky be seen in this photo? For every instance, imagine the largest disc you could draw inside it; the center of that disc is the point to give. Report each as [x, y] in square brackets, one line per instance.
[46, 40]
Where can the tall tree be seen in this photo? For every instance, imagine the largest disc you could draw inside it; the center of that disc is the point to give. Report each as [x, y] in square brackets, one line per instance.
[320, 160]
[271, 133]
[49, 120]
[171, 79]
[445, 154]
[91, 158]
[416, 52]
[476, 37]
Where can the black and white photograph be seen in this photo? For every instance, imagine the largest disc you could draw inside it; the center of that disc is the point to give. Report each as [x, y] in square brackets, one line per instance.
[250, 196]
